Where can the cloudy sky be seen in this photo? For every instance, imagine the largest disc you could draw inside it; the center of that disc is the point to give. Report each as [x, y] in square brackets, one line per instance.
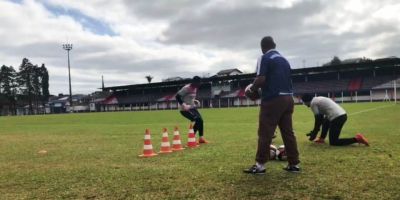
[125, 40]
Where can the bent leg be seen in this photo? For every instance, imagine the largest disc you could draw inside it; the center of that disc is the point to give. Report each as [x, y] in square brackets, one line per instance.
[334, 132]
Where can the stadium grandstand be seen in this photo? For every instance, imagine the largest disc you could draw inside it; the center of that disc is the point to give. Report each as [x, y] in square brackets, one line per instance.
[354, 81]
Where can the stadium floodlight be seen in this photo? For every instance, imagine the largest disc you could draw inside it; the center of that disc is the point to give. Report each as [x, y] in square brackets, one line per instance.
[68, 47]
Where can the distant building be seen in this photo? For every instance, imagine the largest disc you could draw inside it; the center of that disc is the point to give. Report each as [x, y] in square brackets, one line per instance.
[390, 58]
[98, 99]
[58, 104]
[177, 78]
[229, 72]
[352, 60]
[61, 104]
[355, 60]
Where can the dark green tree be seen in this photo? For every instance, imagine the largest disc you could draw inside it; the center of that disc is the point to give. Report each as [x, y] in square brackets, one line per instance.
[336, 61]
[36, 85]
[149, 78]
[29, 86]
[44, 83]
[24, 80]
[8, 87]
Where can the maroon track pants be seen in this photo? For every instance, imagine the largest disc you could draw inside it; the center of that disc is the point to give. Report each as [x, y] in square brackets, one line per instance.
[277, 112]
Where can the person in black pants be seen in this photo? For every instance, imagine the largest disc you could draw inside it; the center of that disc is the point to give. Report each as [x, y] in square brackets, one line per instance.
[332, 117]
[186, 99]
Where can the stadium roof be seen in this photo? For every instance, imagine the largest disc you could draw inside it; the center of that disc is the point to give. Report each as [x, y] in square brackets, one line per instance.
[379, 63]
[177, 83]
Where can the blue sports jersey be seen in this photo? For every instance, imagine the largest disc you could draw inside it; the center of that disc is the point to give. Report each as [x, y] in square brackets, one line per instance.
[276, 70]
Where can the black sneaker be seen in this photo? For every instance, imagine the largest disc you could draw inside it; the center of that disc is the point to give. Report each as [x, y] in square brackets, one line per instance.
[292, 168]
[312, 135]
[254, 170]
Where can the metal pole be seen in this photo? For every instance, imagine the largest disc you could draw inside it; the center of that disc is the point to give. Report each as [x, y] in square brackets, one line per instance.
[370, 95]
[395, 91]
[69, 78]
[386, 96]
[68, 47]
[342, 96]
[356, 97]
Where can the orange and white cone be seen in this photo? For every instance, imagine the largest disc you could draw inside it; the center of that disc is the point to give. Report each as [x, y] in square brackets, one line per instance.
[191, 138]
[165, 145]
[176, 143]
[148, 147]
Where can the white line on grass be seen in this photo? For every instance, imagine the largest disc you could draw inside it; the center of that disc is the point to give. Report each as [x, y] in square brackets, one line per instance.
[371, 109]
[349, 114]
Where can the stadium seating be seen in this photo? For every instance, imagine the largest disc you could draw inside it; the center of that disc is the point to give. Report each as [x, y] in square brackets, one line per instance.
[355, 84]
[350, 81]
[320, 86]
[372, 82]
[299, 88]
[204, 93]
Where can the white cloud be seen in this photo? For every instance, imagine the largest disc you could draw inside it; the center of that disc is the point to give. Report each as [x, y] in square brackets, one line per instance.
[184, 38]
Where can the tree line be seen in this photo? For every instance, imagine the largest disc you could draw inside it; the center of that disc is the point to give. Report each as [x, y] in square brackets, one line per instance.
[29, 86]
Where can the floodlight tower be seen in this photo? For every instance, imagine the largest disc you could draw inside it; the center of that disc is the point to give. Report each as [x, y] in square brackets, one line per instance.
[68, 47]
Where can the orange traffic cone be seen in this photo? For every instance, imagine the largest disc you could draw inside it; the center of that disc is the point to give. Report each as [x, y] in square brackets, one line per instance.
[176, 143]
[191, 138]
[165, 145]
[147, 147]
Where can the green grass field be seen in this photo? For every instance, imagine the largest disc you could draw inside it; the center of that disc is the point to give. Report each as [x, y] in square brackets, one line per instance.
[95, 156]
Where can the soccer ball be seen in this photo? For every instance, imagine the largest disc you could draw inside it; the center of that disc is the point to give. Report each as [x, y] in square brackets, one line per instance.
[282, 153]
[253, 95]
[273, 152]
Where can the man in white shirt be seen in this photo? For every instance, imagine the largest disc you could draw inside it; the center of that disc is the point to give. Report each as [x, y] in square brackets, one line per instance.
[335, 117]
[186, 99]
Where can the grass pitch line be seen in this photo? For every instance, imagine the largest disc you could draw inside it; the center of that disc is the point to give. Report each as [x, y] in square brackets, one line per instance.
[368, 110]
[349, 114]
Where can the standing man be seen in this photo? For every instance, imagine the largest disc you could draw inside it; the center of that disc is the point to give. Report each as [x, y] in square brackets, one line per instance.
[273, 77]
[335, 117]
[186, 99]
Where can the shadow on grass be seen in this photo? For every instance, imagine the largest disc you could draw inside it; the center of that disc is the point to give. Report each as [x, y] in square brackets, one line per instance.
[276, 183]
